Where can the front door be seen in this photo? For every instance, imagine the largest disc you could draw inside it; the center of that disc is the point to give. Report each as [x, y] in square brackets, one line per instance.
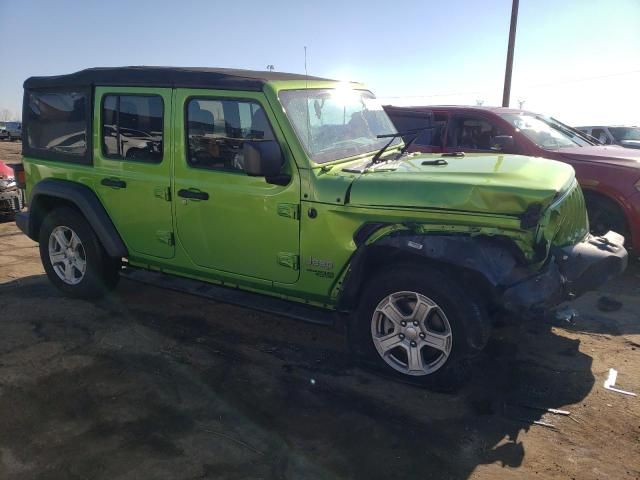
[132, 160]
[226, 220]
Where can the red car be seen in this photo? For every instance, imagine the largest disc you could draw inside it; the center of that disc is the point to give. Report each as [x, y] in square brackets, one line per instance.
[609, 175]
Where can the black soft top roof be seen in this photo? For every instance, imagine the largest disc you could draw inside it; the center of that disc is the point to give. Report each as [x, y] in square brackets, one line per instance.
[190, 77]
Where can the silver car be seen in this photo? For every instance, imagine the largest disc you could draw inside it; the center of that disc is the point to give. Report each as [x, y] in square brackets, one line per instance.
[10, 130]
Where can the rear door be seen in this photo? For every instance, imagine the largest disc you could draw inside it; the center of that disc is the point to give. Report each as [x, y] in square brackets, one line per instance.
[132, 158]
[226, 220]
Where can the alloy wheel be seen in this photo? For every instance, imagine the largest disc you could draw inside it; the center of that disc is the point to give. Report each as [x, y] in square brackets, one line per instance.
[67, 255]
[411, 333]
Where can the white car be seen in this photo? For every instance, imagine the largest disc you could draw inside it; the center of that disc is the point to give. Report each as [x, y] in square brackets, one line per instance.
[628, 137]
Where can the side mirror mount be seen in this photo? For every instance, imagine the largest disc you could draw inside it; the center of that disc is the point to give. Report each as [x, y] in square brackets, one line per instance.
[264, 159]
[503, 143]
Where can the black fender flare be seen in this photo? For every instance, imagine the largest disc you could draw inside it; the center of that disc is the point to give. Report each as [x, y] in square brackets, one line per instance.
[85, 200]
[496, 258]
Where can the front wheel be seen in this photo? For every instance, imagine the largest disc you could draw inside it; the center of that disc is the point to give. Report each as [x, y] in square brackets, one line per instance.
[73, 257]
[418, 324]
[605, 216]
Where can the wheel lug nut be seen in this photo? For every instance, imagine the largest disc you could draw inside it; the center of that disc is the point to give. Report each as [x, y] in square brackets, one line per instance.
[401, 336]
[422, 335]
[415, 323]
[413, 343]
[403, 323]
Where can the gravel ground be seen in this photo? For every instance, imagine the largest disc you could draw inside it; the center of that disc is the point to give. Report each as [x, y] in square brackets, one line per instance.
[150, 383]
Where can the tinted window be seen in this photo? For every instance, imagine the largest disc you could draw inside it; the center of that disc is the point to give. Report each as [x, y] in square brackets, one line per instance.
[56, 123]
[434, 124]
[601, 135]
[472, 133]
[132, 127]
[217, 129]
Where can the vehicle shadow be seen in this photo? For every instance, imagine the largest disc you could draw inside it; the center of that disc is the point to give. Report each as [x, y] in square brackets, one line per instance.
[612, 310]
[151, 378]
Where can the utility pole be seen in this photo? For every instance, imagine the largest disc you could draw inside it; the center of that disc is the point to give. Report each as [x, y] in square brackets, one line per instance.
[512, 41]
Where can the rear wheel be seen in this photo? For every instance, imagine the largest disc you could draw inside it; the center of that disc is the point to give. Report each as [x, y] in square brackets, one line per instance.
[73, 257]
[420, 326]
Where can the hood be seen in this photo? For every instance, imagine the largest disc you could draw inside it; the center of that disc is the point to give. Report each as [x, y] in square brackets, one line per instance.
[611, 154]
[484, 183]
[5, 170]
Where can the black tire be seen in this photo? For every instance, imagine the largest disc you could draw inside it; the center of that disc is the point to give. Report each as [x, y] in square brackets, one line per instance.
[464, 312]
[605, 215]
[101, 272]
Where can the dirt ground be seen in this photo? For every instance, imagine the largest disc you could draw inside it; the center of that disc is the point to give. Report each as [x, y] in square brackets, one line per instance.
[10, 152]
[150, 383]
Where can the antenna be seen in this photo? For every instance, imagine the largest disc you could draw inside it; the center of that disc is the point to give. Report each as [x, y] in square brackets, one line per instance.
[306, 87]
[305, 61]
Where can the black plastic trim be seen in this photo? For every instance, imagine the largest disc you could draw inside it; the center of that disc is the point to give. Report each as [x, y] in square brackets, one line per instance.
[172, 77]
[89, 205]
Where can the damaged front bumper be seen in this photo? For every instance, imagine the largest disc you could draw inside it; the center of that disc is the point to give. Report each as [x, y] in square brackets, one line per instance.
[572, 271]
[11, 201]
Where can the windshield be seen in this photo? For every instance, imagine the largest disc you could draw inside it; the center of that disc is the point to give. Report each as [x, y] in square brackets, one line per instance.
[337, 123]
[625, 133]
[545, 132]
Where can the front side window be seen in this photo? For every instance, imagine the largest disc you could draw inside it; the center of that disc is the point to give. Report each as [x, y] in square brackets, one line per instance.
[545, 132]
[132, 127]
[217, 129]
[472, 133]
[337, 123]
[57, 122]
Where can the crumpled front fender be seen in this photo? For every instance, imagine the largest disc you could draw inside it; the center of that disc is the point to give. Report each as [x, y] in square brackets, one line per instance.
[497, 259]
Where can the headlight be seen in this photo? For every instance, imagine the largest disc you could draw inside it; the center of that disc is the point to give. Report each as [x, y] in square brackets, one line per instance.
[637, 185]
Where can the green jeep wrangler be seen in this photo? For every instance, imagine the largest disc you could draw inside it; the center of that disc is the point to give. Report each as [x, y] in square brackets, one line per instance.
[295, 194]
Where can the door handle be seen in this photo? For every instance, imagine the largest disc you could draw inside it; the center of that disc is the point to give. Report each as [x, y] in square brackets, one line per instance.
[193, 194]
[113, 182]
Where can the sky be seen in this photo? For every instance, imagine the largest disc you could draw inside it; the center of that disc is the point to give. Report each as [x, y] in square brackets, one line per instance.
[576, 60]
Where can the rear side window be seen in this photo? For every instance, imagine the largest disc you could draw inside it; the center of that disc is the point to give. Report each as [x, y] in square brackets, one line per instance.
[217, 129]
[56, 125]
[132, 127]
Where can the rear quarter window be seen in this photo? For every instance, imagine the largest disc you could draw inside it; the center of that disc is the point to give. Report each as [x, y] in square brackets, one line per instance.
[56, 124]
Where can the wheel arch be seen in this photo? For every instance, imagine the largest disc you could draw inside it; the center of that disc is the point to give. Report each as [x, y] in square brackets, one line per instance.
[51, 193]
[485, 262]
[590, 193]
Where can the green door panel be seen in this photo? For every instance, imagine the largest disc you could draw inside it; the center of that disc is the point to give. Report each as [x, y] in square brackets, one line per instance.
[136, 193]
[246, 226]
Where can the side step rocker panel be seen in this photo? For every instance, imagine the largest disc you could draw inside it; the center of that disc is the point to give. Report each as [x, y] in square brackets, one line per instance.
[234, 296]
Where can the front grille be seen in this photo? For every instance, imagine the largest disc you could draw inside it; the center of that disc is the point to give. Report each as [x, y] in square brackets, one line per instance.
[568, 218]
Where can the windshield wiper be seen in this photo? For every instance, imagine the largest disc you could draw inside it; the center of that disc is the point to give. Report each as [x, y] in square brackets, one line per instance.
[410, 142]
[376, 158]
